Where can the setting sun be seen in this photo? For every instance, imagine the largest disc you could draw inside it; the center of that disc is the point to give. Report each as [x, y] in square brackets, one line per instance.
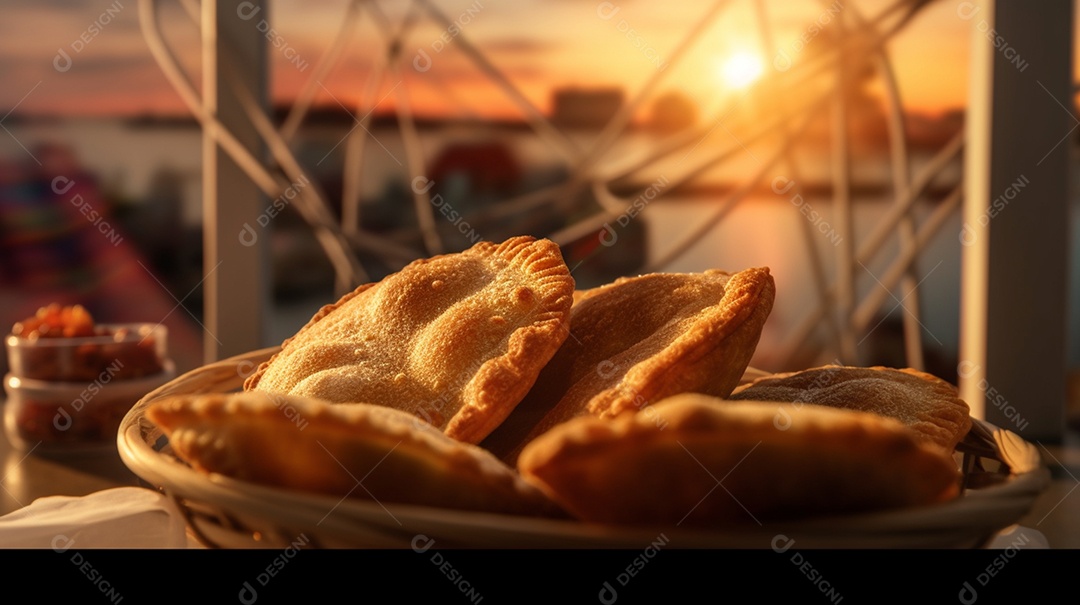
[741, 69]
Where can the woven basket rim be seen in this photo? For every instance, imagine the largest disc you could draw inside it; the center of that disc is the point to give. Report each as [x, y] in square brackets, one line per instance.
[248, 514]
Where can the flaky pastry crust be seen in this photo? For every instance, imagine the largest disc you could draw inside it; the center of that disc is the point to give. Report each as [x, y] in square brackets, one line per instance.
[357, 450]
[695, 460]
[641, 339]
[456, 339]
[930, 406]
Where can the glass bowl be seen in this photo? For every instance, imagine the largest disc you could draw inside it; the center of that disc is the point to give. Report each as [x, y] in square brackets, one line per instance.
[53, 416]
[120, 352]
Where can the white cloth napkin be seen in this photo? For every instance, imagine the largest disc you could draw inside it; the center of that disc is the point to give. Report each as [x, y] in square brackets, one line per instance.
[122, 517]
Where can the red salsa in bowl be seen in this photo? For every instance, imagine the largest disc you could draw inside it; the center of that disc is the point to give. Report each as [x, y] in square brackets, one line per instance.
[72, 380]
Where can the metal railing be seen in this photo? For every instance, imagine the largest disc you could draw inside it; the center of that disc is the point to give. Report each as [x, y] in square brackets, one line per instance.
[859, 42]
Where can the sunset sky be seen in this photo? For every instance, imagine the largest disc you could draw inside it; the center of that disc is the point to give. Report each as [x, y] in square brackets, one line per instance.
[539, 45]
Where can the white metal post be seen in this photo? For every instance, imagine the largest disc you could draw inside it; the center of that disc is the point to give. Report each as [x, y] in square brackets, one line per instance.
[1015, 220]
[235, 249]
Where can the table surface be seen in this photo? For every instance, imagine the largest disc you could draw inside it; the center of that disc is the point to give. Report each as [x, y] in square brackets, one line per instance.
[26, 476]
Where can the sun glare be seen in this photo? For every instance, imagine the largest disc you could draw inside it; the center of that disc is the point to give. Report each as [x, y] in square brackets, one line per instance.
[741, 69]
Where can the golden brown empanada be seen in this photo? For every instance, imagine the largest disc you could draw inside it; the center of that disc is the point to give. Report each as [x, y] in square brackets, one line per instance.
[357, 450]
[695, 460]
[456, 339]
[640, 339]
[927, 404]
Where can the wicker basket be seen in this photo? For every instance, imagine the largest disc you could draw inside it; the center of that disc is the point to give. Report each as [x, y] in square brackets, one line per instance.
[1002, 473]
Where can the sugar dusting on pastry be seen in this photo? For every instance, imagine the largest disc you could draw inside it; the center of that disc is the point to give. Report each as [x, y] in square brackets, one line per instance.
[457, 338]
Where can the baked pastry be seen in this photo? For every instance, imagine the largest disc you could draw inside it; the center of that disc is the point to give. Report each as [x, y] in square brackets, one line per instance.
[641, 339]
[927, 404]
[700, 461]
[456, 339]
[356, 450]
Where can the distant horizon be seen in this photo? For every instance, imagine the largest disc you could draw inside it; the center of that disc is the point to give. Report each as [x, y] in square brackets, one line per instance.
[93, 61]
[16, 115]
